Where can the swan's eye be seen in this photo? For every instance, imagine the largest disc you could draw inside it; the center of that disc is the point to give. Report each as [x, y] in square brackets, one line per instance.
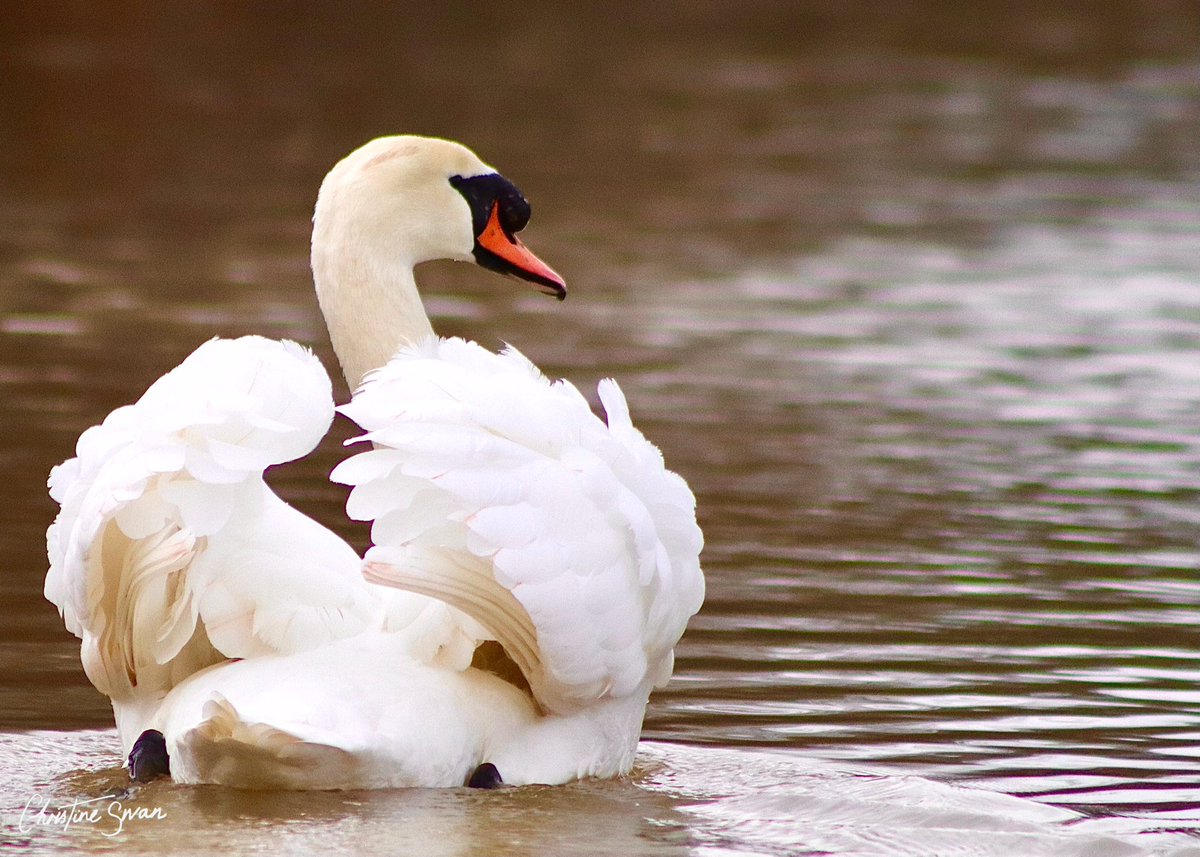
[514, 210]
[484, 192]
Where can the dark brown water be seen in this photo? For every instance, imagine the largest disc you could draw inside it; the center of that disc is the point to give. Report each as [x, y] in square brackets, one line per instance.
[911, 298]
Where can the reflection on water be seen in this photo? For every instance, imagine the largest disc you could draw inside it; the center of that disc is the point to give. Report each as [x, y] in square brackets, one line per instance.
[912, 299]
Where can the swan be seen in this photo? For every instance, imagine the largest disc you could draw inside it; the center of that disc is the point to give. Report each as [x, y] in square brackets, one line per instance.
[532, 566]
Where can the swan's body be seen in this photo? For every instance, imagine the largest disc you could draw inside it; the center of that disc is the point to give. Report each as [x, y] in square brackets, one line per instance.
[538, 565]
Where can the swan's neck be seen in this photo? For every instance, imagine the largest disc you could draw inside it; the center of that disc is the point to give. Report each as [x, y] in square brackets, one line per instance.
[369, 301]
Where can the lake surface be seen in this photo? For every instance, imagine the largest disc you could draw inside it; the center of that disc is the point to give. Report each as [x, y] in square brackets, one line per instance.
[911, 298]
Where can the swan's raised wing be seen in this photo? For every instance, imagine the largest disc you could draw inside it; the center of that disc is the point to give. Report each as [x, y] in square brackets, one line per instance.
[503, 495]
[170, 552]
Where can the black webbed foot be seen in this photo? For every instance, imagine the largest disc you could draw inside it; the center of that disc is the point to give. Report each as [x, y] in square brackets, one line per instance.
[148, 758]
[485, 777]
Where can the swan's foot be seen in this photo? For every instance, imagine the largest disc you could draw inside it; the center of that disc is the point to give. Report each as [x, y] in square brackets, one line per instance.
[148, 758]
[485, 777]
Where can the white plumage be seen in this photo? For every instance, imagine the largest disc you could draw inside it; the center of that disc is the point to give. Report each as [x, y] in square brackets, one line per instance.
[502, 494]
[170, 553]
[506, 511]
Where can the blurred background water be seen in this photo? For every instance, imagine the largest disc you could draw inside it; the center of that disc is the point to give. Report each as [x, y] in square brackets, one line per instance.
[910, 294]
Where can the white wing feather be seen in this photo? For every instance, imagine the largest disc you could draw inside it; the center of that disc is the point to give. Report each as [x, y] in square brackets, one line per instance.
[170, 552]
[505, 496]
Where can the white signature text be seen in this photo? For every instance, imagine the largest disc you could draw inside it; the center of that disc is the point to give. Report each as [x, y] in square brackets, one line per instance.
[109, 815]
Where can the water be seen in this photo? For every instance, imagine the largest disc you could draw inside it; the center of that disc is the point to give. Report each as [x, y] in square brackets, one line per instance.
[912, 299]
[677, 801]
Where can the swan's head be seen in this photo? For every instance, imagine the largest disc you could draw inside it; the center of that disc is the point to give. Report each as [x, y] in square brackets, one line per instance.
[405, 200]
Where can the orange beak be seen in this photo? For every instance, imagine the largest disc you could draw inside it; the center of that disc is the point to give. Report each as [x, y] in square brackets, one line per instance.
[518, 259]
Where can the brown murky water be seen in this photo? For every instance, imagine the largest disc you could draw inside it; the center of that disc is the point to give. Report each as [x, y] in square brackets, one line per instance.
[912, 299]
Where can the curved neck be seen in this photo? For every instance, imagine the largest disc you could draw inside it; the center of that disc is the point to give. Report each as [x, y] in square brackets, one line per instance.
[371, 305]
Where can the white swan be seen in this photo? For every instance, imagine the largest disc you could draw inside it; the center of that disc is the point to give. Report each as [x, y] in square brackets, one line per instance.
[538, 565]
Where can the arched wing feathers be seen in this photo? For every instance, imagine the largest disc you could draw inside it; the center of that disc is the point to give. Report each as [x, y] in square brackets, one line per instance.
[169, 551]
[503, 495]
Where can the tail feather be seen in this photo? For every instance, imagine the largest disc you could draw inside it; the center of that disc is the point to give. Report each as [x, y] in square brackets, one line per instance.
[225, 748]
